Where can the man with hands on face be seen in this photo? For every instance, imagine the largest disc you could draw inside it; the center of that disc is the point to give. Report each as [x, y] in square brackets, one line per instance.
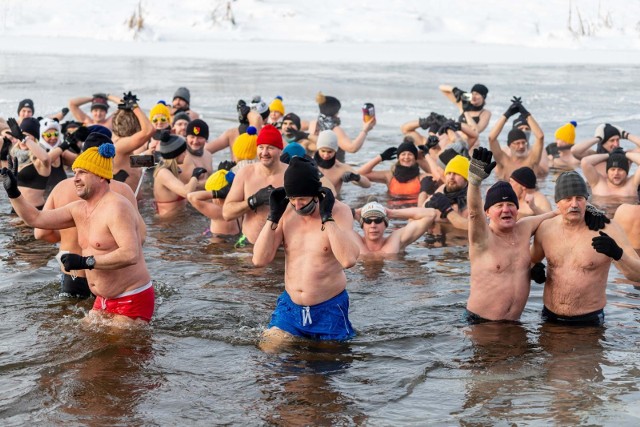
[315, 231]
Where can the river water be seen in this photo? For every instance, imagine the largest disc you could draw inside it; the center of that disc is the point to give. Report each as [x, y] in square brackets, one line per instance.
[413, 361]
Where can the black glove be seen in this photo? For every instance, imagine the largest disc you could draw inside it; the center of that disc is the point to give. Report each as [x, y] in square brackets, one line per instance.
[457, 93]
[260, 197]
[9, 178]
[440, 202]
[538, 273]
[481, 165]
[6, 146]
[327, 200]
[285, 158]
[350, 176]
[425, 122]
[428, 185]
[221, 193]
[81, 134]
[604, 244]
[513, 108]
[432, 141]
[523, 111]
[553, 150]
[65, 111]
[162, 135]
[296, 135]
[466, 105]
[16, 132]
[277, 204]
[243, 111]
[64, 145]
[595, 218]
[129, 102]
[389, 154]
[197, 172]
[75, 262]
[226, 165]
[617, 150]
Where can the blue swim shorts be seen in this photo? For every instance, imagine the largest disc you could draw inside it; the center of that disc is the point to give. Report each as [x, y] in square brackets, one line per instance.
[328, 320]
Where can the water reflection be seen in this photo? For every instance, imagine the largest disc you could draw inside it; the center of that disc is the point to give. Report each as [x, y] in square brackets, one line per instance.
[298, 387]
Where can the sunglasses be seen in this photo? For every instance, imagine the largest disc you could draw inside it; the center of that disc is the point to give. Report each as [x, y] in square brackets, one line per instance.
[50, 134]
[377, 220]
[159, 119]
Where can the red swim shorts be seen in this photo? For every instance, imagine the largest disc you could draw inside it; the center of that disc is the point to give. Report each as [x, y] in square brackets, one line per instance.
[136, 304]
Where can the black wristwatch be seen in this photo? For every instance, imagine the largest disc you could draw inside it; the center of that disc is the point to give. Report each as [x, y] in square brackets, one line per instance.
[91, 262]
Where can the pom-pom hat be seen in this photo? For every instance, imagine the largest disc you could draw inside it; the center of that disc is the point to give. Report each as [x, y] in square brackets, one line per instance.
[245, 147]
[567, 133]
[97, 160]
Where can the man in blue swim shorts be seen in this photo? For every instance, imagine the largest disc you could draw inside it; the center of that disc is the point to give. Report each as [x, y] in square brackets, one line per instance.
[315, 231]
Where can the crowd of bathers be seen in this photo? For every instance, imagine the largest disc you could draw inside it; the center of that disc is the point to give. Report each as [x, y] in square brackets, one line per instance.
[430, 172]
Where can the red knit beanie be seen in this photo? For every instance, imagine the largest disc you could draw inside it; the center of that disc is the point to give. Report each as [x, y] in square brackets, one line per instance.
[271, 136]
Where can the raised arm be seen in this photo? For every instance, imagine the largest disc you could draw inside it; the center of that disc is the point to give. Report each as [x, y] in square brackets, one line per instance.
[582, 148]
[74, 106]
[538, 146]
[127, 145]
[588, 165]
[479, 169]
[337, 221]
[379, 176]
[352, 146]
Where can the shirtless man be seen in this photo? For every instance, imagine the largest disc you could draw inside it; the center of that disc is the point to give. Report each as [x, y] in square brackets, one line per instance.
[99, 108]
[315, 231]
[532, 201]
[374, 220]
[451, 197]
[579, 258]
[616, 181]
[64, 193]
[628, 216]
[520, 154]
[606, 137]
[252, 185]
[182, 103]
[179, 124]
[197, 156]
[498, 250]
[108, 235]
[559, 152]
[335, 171]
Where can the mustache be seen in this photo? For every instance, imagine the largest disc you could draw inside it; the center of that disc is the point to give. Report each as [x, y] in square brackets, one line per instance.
[574, 210]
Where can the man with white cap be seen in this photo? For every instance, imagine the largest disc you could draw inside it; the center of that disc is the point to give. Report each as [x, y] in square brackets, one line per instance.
[333, 169]
[374, 220]
[579, 258]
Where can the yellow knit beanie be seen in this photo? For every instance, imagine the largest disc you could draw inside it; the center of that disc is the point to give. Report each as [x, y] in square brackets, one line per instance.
[245, 147]
[460, 165]
[567, 133]
[97, 160]
[216, 181]
[160, 109]
[277, 105]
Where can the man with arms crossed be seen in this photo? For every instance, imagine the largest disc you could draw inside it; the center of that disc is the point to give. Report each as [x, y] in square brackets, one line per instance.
[315, 231]
[108, 233]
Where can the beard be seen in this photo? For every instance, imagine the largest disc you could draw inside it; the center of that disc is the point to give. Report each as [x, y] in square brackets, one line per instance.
[198, 153]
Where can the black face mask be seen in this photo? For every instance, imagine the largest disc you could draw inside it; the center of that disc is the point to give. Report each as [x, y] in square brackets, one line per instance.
[406, 173]
[197, 153]
[307, 209]
[324, 164]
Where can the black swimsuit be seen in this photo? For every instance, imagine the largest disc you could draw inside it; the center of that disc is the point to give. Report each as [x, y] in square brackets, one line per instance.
[58, 174]
[29, 177]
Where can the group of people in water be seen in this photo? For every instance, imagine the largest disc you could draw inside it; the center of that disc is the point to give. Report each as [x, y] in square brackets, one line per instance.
[78, 183]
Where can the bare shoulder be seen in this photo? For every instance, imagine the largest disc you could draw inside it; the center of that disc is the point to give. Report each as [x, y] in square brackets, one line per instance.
[62, 194]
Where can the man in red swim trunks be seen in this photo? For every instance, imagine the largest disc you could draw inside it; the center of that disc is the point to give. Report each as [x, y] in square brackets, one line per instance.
[108, 233]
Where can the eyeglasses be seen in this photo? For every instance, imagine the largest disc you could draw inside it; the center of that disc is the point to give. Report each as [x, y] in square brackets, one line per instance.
[377, 220]
[50, 134]
[159, 119]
